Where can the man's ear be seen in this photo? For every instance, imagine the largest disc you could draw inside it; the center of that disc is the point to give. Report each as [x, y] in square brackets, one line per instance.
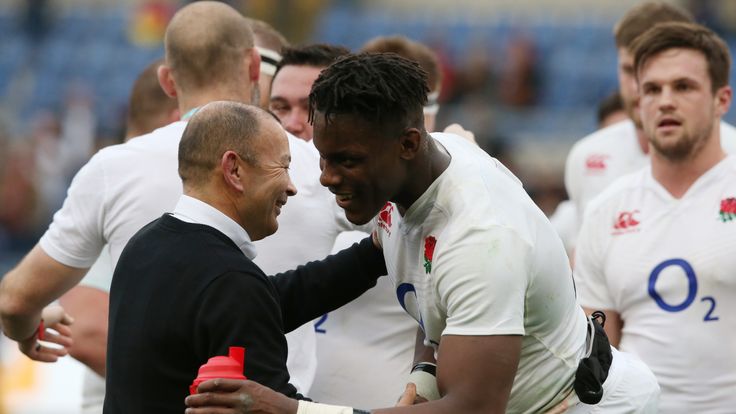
[232, 171]
[410, 141]
[724, 95]
[166, 81]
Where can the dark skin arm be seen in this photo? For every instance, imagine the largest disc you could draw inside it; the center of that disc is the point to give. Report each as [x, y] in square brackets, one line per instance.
[474, 374]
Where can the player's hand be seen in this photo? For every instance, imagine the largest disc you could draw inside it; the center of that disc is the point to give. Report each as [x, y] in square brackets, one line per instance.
[457, 129]
[410, 396]
[56, 331]
[227, 396]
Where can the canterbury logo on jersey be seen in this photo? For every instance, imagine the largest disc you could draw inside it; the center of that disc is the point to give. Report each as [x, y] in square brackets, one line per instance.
[626, 222]
[728, 209]
[384, 217]
[596, 162]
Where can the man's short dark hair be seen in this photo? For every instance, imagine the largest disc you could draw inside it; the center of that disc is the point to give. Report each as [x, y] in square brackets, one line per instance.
[641, 18]
[318, 55]
[692, 36]
[379, 87]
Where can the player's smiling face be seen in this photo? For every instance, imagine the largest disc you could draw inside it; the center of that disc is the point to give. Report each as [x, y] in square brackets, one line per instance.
[360, 164]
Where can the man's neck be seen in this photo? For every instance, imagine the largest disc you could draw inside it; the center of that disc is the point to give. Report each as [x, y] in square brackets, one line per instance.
[678, 176]
[187, 102]
[429, 168]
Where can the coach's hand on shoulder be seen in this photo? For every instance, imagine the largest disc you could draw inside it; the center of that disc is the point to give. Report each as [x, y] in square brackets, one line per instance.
[53, 329]
[227, 396]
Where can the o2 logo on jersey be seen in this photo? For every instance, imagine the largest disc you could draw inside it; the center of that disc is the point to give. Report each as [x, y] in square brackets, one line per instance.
[318, 325]
[412, 307]
[692, 289]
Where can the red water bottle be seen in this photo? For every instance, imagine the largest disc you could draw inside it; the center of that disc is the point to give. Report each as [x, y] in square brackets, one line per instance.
[230, 367]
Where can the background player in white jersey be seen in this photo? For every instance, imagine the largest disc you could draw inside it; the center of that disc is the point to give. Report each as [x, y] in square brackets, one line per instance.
[124, 187]
[474, 261]
[149, 108]
[657, 247]
[565, 218]
[597, 160]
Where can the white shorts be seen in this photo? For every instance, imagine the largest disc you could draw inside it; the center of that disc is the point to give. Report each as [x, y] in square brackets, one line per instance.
[629, 388]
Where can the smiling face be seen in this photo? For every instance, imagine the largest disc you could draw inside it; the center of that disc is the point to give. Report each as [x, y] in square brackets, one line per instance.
[361, 164]
[290, 98]
[266, 183]
[678, 109]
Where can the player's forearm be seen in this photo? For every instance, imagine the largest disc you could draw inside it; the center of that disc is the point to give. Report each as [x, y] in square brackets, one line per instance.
[17, 324]
[18, 316]
[32, 285]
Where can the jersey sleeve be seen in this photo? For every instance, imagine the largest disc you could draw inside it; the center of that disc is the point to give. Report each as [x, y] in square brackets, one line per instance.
[481, 279]
[99, 276]
[590, 281]
[75, 236]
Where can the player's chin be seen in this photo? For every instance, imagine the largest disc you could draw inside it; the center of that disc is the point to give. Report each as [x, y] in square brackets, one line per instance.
[360, 216]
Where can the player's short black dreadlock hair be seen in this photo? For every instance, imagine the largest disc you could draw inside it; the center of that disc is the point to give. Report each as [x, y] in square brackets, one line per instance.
[378, 87]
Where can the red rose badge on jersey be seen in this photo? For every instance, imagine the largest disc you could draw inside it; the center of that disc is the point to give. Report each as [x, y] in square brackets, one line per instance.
[728, 209]
[429, 244]
[384, 217]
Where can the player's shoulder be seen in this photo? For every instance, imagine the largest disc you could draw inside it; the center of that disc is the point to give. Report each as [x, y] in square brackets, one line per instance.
[604, 139]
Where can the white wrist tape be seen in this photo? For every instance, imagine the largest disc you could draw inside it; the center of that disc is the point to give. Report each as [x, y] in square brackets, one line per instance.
[426, 384]
[306, 407]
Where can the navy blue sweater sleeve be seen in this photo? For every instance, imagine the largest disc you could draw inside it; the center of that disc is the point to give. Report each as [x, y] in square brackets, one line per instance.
[241, 309]
[319, 287]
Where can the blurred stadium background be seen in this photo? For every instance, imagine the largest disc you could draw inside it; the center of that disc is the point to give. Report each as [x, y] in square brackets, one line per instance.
[524, 75]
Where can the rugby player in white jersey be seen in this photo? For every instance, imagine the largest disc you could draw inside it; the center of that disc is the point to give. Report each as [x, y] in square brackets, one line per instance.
[597, 160]
[656, 249]
[374, 324]
[473, 260]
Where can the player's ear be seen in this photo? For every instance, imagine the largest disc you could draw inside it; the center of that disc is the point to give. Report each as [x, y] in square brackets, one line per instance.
[166, 81]
[410, 141]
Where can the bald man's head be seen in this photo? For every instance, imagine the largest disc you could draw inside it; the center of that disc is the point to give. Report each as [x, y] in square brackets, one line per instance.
[216, 128]
[207, 42]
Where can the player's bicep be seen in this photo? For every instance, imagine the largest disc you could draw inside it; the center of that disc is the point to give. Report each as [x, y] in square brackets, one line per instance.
[481, 282]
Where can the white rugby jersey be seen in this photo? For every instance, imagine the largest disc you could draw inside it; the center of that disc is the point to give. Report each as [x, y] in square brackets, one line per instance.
[600, 158]
[668, 266]
[474, 256]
